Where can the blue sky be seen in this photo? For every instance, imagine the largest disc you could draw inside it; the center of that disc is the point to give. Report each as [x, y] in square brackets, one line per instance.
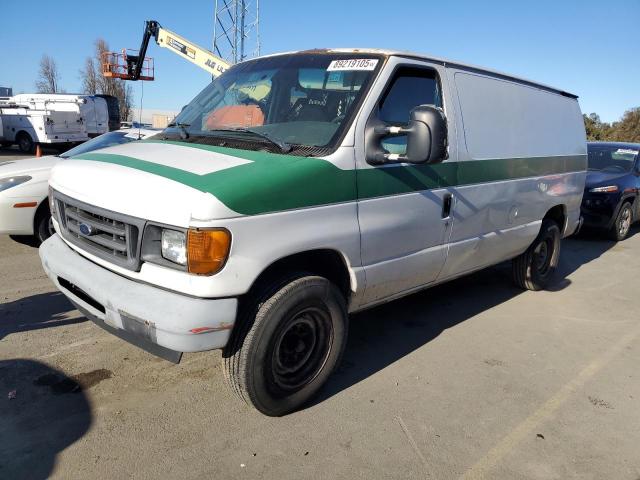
[587, 47]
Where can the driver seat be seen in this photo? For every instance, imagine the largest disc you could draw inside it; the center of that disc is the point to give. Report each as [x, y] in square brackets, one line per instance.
[312, 108]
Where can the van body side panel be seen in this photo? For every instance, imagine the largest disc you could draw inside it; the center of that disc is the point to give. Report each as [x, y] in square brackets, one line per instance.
[508, 165]
[497, 221]
[516, 128]
[503, 119]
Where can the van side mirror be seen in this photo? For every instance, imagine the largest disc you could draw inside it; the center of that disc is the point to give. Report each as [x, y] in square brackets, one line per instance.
[426, 135]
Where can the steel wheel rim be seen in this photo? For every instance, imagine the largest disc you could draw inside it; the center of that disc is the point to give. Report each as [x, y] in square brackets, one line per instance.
[542, 256]
[302, 348]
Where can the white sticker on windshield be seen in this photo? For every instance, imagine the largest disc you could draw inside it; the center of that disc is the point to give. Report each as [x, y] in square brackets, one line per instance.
[627, 150]
[353, 64]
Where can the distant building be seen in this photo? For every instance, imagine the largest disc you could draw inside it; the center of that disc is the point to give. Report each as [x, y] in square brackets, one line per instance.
[6, 92]
[157, 118]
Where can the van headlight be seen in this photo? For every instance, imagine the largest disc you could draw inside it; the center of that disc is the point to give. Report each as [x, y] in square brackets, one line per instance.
[195, 250]
[10, 182]
[174, 246]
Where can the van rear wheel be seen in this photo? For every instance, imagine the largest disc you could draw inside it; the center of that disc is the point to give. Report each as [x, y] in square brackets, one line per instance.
[286, 345]
[535, 268]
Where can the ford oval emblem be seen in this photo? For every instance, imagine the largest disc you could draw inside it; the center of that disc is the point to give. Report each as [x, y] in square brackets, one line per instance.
[86, 230]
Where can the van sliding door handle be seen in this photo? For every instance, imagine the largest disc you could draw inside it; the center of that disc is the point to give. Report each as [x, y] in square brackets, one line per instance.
[447, 200]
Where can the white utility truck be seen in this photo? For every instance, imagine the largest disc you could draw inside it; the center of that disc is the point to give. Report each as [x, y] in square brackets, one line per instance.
[31, 119]
[298, 188]
[93, 108]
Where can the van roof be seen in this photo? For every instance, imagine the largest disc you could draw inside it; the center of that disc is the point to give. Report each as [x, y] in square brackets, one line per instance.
[431, 58]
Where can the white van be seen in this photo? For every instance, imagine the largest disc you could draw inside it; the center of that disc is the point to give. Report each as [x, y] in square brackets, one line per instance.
[95, 115]
[298, 188]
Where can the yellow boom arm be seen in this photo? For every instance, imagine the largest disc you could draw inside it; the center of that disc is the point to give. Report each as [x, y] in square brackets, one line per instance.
[201, 57]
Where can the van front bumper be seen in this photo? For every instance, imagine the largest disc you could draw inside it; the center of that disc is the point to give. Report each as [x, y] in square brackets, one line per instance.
[162, 322]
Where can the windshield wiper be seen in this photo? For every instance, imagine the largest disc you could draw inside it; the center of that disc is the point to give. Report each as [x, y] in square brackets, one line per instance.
[283, 146]
[184, 134]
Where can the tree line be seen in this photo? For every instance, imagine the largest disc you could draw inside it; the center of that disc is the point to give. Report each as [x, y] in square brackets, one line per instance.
[93, 81]
[627, 129]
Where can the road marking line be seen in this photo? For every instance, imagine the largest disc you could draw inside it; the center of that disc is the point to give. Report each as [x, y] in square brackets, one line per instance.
[413, 443]
[481, 468]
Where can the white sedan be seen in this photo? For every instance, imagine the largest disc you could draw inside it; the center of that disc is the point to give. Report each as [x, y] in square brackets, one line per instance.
[24, 209]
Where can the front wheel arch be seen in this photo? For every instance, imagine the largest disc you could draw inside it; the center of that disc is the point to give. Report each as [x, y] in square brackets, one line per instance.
[328, 263]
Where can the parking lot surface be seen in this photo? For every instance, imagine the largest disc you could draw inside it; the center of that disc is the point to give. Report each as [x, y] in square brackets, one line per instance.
[9, 154]
[472, 379]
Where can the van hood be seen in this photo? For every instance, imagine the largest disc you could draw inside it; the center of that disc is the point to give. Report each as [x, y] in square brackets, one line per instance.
[180, 183]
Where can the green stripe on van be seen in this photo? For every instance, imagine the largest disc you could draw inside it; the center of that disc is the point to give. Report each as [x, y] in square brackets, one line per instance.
[274, 182]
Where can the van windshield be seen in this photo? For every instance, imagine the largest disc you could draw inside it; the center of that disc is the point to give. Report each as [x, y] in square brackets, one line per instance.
[288, 103]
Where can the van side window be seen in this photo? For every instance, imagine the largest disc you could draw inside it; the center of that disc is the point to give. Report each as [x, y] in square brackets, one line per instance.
[409, 88]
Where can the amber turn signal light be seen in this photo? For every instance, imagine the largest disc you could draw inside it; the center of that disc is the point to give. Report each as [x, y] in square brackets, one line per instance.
[207, 250]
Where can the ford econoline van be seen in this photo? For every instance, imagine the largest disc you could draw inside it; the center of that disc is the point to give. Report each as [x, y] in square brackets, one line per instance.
[298, 188]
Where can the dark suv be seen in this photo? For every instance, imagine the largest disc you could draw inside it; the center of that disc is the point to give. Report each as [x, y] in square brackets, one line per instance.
[611, 191]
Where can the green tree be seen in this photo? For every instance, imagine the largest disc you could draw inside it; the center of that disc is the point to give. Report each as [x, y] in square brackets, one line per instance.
[595, 128]
[628, 128]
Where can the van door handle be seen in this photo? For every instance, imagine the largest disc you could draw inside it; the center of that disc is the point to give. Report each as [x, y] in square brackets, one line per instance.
[447, 200]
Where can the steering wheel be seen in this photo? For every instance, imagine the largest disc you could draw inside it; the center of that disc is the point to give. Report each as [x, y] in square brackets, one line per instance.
[250, 101]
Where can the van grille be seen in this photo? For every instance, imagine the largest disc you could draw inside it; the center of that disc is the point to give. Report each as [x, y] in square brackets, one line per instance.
[108, 235]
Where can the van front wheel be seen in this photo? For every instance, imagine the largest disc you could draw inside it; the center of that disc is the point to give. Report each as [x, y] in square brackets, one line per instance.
[535, 268]
[286, 345]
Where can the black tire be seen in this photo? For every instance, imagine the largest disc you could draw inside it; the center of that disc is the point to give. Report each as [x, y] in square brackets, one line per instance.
[25, 143]
[43, 225]
[286, 344]
[622, 225]
[535, 268]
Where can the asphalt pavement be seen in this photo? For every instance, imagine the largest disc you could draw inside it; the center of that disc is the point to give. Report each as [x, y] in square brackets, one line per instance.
[471, 379]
